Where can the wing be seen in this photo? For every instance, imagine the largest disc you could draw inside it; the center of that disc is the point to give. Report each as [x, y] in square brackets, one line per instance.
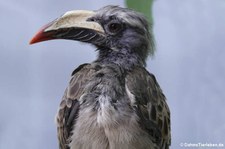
[150, 105]
[69, 106]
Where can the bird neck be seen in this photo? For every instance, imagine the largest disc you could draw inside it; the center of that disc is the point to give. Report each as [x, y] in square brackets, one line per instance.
[123, 58]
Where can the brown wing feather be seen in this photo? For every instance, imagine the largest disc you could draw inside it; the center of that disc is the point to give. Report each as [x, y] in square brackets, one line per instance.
[150, 105]
[69, 106]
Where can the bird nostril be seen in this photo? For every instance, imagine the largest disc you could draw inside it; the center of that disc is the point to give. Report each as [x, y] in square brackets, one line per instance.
[91, 19]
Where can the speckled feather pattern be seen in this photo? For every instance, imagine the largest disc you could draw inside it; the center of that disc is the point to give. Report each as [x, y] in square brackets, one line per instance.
[114, 102]
[105, 117]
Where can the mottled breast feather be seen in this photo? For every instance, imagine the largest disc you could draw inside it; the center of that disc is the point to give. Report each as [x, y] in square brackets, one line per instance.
[150, 104]
[69, 106]
[146, 100]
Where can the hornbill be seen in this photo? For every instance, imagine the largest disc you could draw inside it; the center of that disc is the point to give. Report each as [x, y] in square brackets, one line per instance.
[113, 102]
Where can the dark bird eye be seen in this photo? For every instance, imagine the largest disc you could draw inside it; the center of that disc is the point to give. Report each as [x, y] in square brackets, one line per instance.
[114, 27]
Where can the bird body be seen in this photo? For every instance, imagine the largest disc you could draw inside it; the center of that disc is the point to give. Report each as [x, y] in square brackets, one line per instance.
[114, 102]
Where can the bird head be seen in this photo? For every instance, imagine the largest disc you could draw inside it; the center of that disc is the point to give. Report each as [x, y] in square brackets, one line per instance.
[111, 29]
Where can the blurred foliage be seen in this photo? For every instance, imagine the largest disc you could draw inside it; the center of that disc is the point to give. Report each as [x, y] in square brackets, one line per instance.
[143, 6]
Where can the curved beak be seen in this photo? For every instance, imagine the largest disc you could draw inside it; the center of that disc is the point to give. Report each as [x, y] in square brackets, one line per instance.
[73, 25]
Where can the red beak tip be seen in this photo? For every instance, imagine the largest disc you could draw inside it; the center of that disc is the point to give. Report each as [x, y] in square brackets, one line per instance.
[32, 41]
[42, 35]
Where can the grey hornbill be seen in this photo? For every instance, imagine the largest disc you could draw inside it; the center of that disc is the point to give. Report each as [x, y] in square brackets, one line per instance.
[113, 102]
